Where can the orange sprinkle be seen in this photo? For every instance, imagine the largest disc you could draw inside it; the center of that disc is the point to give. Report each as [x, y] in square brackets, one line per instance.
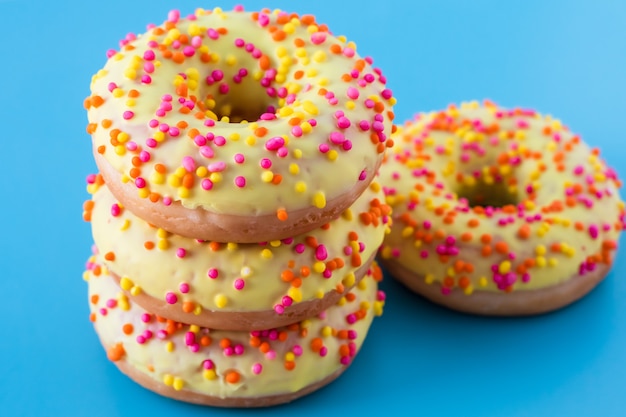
[94, 299]
[148, 245]
[232, 377]
[205, 340]
[524, 231]
[264, 62]
[225, 343]
[282, 214]
[116, 352]
[502, 247]
[188, 306]
[109, 256]
[316, 344]
[128, 328]
[290, 365]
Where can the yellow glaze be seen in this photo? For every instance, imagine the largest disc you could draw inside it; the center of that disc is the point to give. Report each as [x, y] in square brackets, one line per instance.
[493, 199]
[229, 364]
[267, 113]
[234, 277]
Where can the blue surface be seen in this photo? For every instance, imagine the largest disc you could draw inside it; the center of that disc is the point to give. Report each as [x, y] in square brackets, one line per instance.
[566, 58]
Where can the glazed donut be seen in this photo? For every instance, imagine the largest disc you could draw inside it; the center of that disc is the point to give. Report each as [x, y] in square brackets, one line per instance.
[237, 286]
[238, 126]
[497, 211]
[229, 368]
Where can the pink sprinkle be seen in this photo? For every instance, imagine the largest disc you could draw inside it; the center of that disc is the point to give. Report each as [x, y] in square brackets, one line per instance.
[181, 252]
[212, 273]
[127, 115]
[594, 231]
[318, 38]
[239, 284]
[146, 79]
[171, 298]
[190, 338]
[115, 210]
[240, 181]
[321, 253]
[275, 143]
[144, 156]
[352, 93]
[323, 148]
[207, 152]
[140, 182]
[218, 166]
[184, 287]
[296, 131]
[141, 340]
[257, 368]
[208, 364]
[323, 351]
[297, 350]
[189, 51]
[337, 137]
[146, 318]
[279, 309]
[239, 158]
[287, 301]
[189, 164]
[206, 184]
[299, 248]
[265, 163]
[362, 175]
[111, 303]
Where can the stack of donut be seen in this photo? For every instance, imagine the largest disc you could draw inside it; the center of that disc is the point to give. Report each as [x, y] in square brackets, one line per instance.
[236, 214]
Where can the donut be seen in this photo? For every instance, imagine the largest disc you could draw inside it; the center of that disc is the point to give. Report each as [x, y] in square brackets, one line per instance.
[238, 126]
[498, 211]
[236, 286]
[229, 368]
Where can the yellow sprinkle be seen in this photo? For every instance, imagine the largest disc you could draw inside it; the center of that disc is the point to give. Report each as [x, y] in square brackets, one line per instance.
[326, 331]
[306, 127]
[169, 346]
[482, 281]
[143, 192]
[220, 300]
[540, 261]
[231, 246]
[300, 187]
[126, 283]
[347, 214]
[266, 254]
[168, 380]
[378, 308]
[125, 225]
[297, 153]
[120, 150]
[245, 272]
[197, 310]
[350, 105]
[310, 108]
[294, 169]
[267, 176]
[553, 262]
[429, 278]
[209, 374]
[540, 250]
[332, 155]
[505, 267]
[215, 177]
[295, 294]
[349, 280]
[194, 328]
[290, 356]
[183, 192]
[135, 290]
[178, 384]
[202, 171]
[163, 244]
[319, 267]
[319, 200]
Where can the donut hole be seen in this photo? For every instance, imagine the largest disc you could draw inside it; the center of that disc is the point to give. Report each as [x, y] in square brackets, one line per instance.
[483, 194]
[235, 95]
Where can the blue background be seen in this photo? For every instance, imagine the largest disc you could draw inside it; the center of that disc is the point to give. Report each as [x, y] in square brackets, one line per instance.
[566, 58]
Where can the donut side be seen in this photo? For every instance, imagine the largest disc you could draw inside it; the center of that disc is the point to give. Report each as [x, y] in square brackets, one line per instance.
[248, 320]
[198, 223]
[516, 303]
[229, 368]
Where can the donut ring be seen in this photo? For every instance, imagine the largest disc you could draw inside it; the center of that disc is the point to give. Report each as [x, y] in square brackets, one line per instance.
[498, 212]
[237, 286]
[229, 368]
[238, 126]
